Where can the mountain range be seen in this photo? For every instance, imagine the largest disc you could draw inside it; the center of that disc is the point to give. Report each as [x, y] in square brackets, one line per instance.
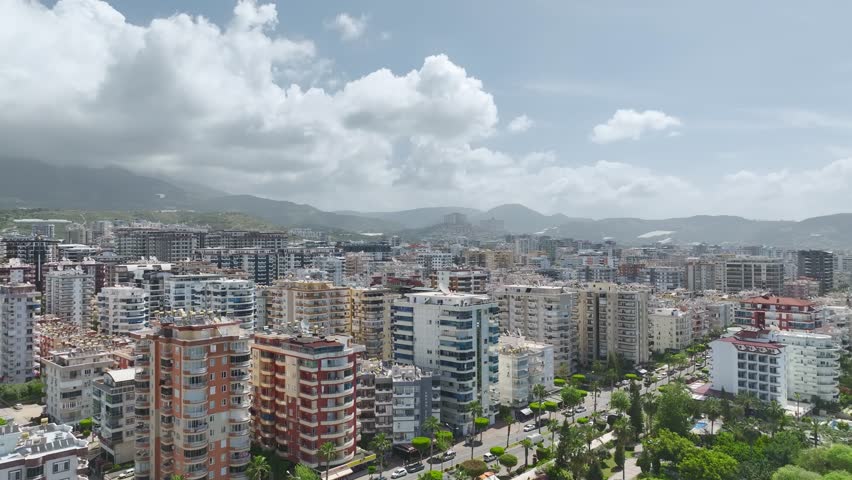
[32, 184]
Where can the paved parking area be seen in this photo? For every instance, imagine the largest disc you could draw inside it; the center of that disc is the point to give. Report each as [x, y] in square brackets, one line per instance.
[23, 416]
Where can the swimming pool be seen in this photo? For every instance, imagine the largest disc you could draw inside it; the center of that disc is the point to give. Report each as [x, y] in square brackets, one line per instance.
[699, 425]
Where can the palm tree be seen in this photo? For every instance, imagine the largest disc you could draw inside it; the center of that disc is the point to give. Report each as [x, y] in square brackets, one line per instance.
[475, 409]
[430, 426]
[776, 417]
[713, 410]
[258, 468]
[622, 431]
[620, 401]
[649, 406]
[798, 397]
[443, 446]
[539, 391]
[327, 451]
[553, 425]
[527, 444]
[380, 446]
[571, 398]
[596, 388]
[507, 416]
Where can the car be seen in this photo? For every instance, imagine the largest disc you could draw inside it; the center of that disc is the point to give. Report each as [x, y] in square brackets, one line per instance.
[414, 467]
[535, 438]
[399, 473]
[529, 428]
[580, 409]
[449, 455]
[18, 406]
[489, 457]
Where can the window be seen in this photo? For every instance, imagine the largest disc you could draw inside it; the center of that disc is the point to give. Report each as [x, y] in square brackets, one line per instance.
[224, 388]
[16, 475]
[61, 466]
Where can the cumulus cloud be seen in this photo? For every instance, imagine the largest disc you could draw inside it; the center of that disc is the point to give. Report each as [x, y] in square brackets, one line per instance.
[349, 27]
[520, 124]
[236, 107]
[631, 125]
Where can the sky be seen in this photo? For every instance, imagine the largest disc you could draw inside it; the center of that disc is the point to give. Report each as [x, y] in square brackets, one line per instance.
[591, 109]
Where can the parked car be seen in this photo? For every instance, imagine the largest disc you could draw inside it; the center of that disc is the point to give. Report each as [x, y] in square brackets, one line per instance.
[529, 427]
[489, 457]
[535, 438]
[449, 455]
[580, 409]
[414, 467]
[18, 406]
[399, 473]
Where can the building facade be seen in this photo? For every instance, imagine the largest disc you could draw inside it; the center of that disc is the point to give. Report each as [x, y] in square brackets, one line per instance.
[69, 295]
[455, 335]
[542, 314]
[304, 396]
[672, 329]
[48, 452]
[736, 274]
[19, 303]
[461, 281]
[68, 376]
[317, 307]
[113, 404]
[783, 313]
[523, 365]
[369, 312]
[192, 399]
[613, 320]
[122, 310]
[818, 265]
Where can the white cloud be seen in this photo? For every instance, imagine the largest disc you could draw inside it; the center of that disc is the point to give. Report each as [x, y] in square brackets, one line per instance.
[520, 124]
[630, 125]
[233, 107]
[349, 27]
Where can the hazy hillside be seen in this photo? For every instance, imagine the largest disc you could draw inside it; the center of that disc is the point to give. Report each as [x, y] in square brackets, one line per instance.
[415, 218]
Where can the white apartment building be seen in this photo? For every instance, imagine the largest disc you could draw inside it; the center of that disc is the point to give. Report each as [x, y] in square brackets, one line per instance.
[523, 365]
[122, 309]
[19, 304]
[316, 307]
[737, 274]
[68, 295]
[672, 329]
[776, 365]
[232, 298]
[613, 319]
[455, 335]
[813, 365]
[369, 312]
[434, 261]
[333, 268]
[68, 378]
[45, 452]
[114, 409]
[541, 314]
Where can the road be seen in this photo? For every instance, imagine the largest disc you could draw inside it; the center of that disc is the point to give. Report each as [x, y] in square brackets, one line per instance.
[22, 416]
[497, 436]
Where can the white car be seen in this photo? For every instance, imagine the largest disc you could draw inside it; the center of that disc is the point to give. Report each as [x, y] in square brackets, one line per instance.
[449, 455]
[399, 473]
[490, 457]
[580, 409]
[529, 427]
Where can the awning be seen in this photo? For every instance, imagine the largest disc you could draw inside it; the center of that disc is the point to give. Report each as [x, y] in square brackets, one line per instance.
[340, 474]
[526, 411]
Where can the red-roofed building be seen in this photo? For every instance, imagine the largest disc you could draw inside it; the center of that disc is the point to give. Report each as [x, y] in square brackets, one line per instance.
[784, 313]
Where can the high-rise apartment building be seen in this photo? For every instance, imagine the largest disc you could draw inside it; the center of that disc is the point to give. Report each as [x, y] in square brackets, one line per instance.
[317, 307]
[232, 298]
[149, 276]
[19, 304]
[16, 271]
[613, 320]
[113, 405]
[523, 365]
[541, 314]
[461, 280]
[68, 377]
[238, 239]
[122, 310]
[192, 399]
[369, 312]
[672, 329]
[69, 294]
[818, 265]
[33, 250]
[434, 261]
[304, 396]
[735, 274]
[395, 399]
[168, 245]
[455, 335]
[261, 264]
